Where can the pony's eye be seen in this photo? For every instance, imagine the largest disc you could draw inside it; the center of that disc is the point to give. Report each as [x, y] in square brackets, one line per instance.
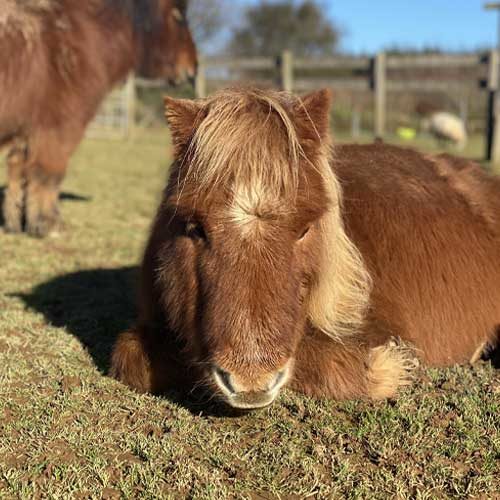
[195, 231]
[303, 233]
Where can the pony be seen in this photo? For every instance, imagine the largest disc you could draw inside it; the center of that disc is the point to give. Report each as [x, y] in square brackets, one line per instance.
[446, 126]
[59, 58]
[277, 259]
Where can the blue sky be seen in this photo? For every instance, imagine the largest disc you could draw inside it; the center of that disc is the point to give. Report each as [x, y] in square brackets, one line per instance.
[371, 25]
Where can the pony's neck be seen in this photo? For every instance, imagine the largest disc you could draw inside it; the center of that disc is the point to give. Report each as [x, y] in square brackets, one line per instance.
[132, 22]
[141, 14]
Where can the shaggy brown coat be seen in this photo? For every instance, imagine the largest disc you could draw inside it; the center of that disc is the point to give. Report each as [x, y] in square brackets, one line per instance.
[273, 253]
[58, 59]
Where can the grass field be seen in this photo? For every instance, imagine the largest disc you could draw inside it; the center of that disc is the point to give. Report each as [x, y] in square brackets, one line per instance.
[69, 431]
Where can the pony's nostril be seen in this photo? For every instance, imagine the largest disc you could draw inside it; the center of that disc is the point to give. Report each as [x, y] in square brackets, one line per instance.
[223, 378]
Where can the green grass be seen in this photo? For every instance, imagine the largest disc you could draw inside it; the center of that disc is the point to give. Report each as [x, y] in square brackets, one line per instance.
[67, 430]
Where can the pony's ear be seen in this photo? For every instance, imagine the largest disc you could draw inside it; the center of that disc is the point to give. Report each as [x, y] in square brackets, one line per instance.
[315, 108]
[183, 116]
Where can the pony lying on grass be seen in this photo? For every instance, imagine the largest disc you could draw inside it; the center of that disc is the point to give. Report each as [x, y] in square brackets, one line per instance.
[58, 59]
[276, 260]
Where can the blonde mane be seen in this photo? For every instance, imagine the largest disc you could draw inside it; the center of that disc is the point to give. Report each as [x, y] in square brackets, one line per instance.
[240, 141]
[339, 299]
[249, 137]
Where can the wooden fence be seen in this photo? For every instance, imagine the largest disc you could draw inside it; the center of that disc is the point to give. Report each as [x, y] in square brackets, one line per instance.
[380, 75]
[116, 117]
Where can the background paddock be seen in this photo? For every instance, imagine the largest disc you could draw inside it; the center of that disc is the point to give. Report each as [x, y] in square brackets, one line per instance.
[66, 428]
[374, 96]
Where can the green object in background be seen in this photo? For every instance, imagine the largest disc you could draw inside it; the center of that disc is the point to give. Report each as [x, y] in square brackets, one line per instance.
[406, 133]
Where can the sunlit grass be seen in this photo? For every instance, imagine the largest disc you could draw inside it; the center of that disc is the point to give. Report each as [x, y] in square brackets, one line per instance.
[67, 430]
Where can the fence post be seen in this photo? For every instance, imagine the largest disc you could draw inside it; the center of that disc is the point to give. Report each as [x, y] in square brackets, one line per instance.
[379, 85]
[285, 66]
[130, 96]
[200, 85]
[493, 113]
[464, 108]
[355, 122]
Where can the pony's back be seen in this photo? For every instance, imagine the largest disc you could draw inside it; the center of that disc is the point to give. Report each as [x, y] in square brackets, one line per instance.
[428, 229]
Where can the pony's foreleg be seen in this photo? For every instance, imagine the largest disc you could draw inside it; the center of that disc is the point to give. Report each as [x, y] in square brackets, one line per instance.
[131, 363]
[42, 197]
[149, 363]
[390, 366]
[13, 204]
[50, 150]
[351, 370]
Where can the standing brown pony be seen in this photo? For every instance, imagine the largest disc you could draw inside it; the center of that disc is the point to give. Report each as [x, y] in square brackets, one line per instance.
[58, 59]
[277, 260]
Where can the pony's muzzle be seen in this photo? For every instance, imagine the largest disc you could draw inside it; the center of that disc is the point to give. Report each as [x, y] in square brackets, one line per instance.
[251, 394]
[184, 75]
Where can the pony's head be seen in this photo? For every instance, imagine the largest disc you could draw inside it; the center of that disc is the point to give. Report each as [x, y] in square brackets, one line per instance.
[168, 47]
[250, 243]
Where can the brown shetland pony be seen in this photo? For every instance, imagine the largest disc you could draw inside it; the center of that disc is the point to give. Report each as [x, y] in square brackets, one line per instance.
[58, 59]
[278, 260]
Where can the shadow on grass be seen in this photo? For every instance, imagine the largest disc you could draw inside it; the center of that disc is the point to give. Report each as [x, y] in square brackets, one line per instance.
[95, 306]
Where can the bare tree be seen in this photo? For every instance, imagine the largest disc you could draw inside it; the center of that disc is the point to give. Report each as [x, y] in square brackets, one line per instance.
[268, 28]
[209, 20]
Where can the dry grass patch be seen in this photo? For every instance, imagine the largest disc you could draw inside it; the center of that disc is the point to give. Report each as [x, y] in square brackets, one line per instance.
[67, 430]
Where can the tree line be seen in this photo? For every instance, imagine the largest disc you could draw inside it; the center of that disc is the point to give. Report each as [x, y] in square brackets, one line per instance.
[264, 29]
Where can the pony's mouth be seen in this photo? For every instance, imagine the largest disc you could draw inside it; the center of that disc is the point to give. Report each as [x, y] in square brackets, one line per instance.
[181, 77]
[249, 398]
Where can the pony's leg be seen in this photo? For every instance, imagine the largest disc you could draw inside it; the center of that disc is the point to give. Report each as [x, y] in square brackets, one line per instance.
[350, 370]
[13, 204]
[148, 364]
[131, 362]
[42, 196]
[50, 150]
[390, 366]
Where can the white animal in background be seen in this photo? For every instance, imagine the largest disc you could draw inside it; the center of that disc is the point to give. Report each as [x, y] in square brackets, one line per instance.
[448, 127]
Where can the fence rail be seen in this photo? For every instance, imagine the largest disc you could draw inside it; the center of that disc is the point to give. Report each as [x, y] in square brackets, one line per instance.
[375, 75]
[380, 75]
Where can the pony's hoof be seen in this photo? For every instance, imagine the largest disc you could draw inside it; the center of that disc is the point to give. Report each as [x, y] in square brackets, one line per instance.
[13, 225]
[37, 230]
[44, 227]
[10, 229]
[58, 229]
[12, 219]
